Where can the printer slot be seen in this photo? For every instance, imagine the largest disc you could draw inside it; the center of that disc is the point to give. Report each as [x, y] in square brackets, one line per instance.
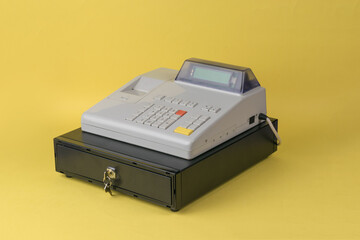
[142, 86]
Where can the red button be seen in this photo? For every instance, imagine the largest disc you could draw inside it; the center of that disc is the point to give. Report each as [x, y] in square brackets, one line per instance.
[181, 112]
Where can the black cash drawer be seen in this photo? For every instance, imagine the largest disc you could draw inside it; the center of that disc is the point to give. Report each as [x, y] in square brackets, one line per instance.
[130, 178]
[163, 179]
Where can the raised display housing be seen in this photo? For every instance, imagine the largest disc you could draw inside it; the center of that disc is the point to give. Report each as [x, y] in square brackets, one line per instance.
[217, 75]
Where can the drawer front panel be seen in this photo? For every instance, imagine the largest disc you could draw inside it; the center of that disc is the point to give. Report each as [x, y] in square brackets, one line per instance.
[130, 178]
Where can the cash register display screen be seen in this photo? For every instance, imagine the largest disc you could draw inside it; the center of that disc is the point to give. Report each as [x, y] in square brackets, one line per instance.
[212, 75]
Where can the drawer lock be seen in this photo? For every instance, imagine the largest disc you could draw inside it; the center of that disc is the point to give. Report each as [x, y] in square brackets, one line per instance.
[109, 178]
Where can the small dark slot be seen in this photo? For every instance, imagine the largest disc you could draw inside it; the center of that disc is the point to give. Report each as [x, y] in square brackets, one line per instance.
[168, 206]
[61, 172]
[167, 173]
[88, 149]
[135, 195]
[252, 120]
[90, 181]
[134, 163]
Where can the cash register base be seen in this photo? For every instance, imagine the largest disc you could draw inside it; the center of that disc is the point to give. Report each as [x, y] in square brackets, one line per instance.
[157, 177]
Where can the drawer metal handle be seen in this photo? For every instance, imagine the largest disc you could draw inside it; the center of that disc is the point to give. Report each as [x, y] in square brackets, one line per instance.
[109, 178]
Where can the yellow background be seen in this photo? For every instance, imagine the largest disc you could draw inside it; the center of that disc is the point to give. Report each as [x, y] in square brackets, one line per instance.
[58, 58]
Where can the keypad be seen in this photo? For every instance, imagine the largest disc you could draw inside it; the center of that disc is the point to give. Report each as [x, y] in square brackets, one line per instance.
[157, 116]
[162, 117]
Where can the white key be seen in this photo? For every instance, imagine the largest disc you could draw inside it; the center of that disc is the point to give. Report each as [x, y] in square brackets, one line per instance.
[198, 122]
[184, 102]
[189, 121]
[159, 97]
[193, 127]
[161, 112]
[148, 105]
[141, 120]
[214, 109]
[185, 125]
[147, 115]
[154, 118]
[152, 111]
[158, 107]
[170, 121]
[169, 99]
[131, 117]
[206, 108]
[167, 115]
[162, 119]
[175, 117]
[191, 104]
[204, 118]
[149, 122]
[172, 111]
[167, 124]
[156, 124]
[194, 117]
[176, 101]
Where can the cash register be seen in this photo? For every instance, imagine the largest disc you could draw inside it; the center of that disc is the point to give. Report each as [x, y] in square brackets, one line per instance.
[183, 113]
[170, 136]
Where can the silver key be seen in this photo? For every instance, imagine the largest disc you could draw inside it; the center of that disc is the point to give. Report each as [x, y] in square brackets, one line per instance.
[109, 178]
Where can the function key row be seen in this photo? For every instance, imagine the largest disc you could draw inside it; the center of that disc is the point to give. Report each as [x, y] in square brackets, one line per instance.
[179, 101]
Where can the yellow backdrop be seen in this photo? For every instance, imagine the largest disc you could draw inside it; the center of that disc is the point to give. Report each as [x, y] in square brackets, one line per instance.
[58, 58]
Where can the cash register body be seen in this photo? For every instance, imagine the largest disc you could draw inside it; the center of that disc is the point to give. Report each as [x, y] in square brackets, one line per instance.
[195, 116]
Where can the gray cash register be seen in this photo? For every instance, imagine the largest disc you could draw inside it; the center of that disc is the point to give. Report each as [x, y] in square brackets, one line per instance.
[169, 136]
[182, 113]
